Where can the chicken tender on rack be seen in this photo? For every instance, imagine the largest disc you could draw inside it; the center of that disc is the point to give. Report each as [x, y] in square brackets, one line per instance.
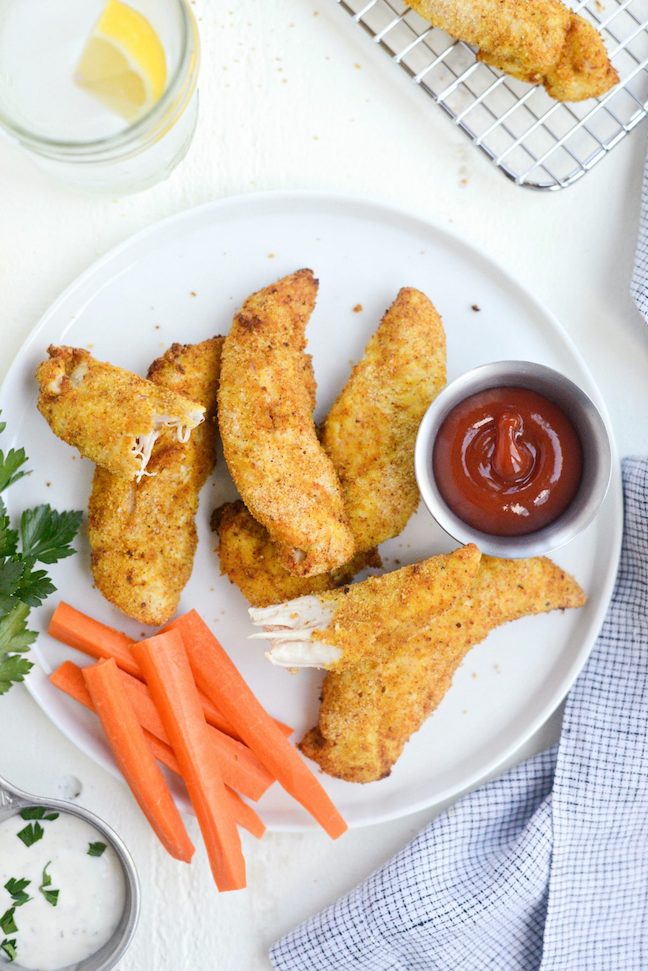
[143, 534]
[111, 416]
[371, 429]
[539, 41]
[338, 629]
[265, 416]
[371, 708]
[249, 557]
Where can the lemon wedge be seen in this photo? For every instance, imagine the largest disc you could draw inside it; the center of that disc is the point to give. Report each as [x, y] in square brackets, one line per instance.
[123, 63]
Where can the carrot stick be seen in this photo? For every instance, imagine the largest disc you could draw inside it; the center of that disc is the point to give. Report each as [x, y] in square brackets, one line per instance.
[218, 677]
[135, 759]
[90, 636]
[245, 815]
[240, 767]
[69, 679]
[165, 666]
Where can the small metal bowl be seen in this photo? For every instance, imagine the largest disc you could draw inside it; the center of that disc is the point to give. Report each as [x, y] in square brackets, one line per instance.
[12, 800]
[591, 429]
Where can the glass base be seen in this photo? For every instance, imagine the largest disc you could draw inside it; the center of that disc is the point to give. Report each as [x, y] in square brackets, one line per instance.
[141, 170]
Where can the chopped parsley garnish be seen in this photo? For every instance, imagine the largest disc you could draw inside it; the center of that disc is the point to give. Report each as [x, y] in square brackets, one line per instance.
[9, 947]
[44, 536]
[31, 834]
[51, 896]
[7, 922]
[16, 890]
[38, 812]
[96, 849]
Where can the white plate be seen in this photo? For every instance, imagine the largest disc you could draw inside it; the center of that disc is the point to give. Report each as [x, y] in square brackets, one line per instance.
[181, 281]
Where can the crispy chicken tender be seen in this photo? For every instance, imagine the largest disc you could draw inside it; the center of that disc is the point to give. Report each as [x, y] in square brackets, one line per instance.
[111, 416]
[539, 41]
[269, 438]
[370, 709]
[340, 628]
[143, 535]
[371, 429]
[370, 436]
[249, 558]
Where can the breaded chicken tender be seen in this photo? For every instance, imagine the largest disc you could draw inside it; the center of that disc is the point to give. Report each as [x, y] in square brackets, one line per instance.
[249, 558]
[539, 41]
[371, 429]
[370, 436]
[265, 406]
[370, 709]
[340, 628]
[143, 534]
[111, 416]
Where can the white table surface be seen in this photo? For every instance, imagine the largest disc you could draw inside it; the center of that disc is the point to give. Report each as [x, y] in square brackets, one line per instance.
[293, 96]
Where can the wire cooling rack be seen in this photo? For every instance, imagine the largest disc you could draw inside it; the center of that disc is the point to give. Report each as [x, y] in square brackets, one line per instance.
[535, 140]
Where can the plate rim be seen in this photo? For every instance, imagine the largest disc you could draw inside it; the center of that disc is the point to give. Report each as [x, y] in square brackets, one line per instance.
[614, 497]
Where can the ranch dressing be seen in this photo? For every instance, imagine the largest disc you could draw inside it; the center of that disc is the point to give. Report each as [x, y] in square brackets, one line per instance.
[91, 891]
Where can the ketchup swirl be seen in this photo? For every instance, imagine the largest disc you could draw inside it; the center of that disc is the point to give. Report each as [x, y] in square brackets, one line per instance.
[507, 461]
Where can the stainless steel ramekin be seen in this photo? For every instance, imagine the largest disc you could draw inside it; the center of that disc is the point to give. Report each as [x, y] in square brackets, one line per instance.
[591, 429]
[12, 800]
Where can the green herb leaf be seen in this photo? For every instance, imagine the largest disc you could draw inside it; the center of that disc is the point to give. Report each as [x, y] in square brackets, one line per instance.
[10, 573]
[34, 585]
[31, 834]
[16, 890]
[8, 536]
[96, 849]
[7, 922]
[38, 812]
[9, 947]
[11, 467]
[14, 636]
[51, 896]
[14, 640]
[46, 534]
[13, 670]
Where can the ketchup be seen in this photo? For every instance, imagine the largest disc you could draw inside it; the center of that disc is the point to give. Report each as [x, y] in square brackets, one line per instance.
[507, 461]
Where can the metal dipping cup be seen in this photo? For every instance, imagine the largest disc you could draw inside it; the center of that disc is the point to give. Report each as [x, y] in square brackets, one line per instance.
[12, 800]
[584, 416]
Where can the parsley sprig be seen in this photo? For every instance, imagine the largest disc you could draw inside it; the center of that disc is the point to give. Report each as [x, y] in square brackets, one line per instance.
[96, 849]
[31, 834]
[51, 896]
[43, 536]
[16, 890]
[9, 947]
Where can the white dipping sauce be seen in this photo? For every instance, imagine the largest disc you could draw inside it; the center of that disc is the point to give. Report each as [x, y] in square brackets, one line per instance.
[91, 892]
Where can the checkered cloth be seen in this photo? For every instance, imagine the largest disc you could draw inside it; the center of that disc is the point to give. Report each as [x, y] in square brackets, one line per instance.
[639, 283]
[544, 868]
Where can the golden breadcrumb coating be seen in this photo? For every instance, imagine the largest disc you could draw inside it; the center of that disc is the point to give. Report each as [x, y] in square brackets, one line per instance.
[369, 710]
[539, 41]
[111, 416]
[269, 438]
[249, 558]
[143, 535]
[338, 629]
[387, 393]
[371, 429]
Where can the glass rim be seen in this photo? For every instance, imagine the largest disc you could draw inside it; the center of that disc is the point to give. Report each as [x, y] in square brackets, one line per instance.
[65, 146]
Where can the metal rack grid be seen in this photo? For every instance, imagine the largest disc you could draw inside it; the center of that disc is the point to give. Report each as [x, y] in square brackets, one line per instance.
[535, 141]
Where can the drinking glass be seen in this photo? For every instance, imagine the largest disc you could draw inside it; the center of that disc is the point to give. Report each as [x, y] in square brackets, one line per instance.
[66, 130]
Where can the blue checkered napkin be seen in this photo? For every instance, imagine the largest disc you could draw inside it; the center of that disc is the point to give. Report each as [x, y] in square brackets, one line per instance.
[544, 868]
[639, 282]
